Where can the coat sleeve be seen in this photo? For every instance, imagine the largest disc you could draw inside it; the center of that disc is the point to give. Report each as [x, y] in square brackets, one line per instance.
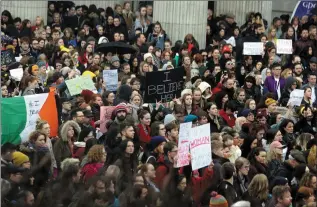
[58, 154]
[161, 172]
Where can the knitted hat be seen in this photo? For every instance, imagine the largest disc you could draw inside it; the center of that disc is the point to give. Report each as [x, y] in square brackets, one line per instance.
[19, 158]
[245, 113]
[120, 107]
[115, 59]
[186, 91]
[156, 141]
[217, 200]
[168, 119]
[190, 118]
[269, 101]
[147, 55]
[41, 63]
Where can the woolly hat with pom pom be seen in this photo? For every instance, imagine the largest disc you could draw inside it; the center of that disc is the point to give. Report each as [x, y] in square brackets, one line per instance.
[217, 200]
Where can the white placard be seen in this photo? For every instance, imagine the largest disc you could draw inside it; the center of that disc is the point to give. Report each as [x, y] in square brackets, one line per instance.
[296, 97]
[110, 77]
[200, 147]
[16, 74]
[284, 46]
[253, 48]
[183, 144]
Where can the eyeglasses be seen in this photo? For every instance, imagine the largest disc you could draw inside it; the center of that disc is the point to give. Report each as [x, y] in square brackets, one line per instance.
[163, 129]
[136, 84]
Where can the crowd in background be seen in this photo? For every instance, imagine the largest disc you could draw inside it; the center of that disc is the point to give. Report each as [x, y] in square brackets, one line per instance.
[264, 148]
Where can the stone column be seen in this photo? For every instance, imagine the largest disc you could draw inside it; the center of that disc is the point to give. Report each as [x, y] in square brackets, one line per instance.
[179, 18]
[241, 8]
[26, 9]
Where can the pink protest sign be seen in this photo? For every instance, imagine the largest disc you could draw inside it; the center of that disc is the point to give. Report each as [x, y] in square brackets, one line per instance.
[105, 117]
[183, 144]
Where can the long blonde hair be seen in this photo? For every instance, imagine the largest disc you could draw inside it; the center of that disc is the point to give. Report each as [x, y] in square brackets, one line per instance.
[273, 155]
[312, 156]
[259, 187]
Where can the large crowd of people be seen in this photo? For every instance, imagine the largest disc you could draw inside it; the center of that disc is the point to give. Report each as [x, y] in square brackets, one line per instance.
[264, 148]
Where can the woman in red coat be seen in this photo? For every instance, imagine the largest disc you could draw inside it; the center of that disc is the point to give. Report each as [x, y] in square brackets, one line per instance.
[144, 129]
[96, 156]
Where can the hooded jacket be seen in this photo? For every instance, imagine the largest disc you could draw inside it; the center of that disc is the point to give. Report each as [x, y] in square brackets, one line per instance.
[61, 149]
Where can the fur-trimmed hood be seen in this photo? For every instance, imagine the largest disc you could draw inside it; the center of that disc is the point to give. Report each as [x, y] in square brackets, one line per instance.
[65, 127]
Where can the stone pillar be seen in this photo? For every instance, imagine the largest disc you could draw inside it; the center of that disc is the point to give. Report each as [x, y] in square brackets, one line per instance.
[26, 9]
[241, 8]
[179, 18]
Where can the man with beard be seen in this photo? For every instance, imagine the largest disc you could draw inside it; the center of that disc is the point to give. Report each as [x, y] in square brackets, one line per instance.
[303, 43]
[120, 113]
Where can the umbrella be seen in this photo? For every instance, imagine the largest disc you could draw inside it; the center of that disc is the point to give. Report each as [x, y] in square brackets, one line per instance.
[119, 48]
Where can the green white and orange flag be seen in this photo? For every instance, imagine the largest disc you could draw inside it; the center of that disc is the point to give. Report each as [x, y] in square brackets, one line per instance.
[19, 116]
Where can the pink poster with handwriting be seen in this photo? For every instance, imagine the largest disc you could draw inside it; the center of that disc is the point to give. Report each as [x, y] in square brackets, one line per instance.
[183, 144]
[105, 117]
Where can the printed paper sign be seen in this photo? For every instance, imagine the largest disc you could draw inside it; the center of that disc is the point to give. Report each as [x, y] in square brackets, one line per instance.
[105, 116]
[200, 147]
[253, 48]
[110, 77]
[284, 46]
[296, 97]
[77, 85]
[16, 74]
[183, 144]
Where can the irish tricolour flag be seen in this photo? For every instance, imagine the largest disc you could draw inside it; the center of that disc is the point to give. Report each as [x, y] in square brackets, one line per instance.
[19, 116]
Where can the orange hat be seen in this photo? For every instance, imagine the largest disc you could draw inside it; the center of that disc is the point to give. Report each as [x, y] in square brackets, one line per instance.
[270, 101]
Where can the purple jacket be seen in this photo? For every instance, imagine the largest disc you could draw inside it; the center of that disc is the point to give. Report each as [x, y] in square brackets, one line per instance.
[270, 85]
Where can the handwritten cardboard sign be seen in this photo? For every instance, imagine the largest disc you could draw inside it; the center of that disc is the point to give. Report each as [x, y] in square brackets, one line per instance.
[76, 85]
[253, 48]
[296, 97]
[105, 116]
[284, 46]
[200, 147]
[110, 77]
[16, 74]
[163, 85]
[183, 144]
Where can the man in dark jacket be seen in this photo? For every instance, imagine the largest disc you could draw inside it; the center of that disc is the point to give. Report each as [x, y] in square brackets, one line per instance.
[286, 170]
[226, 187]
[7, 150]
[303, 43]
[119, 28]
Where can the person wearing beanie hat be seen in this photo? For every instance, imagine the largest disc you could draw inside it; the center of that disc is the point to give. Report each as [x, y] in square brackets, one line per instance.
[41, 64]
[191, 118]
[271, 105]
[169, 118]
[146, 56]
[277, 180]
[121, 108]
[155, 142]
[217, 200]
[247, 113]
[115, 62]
[21, 160]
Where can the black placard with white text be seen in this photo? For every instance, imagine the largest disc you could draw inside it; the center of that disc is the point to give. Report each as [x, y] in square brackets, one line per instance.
[163, 85]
